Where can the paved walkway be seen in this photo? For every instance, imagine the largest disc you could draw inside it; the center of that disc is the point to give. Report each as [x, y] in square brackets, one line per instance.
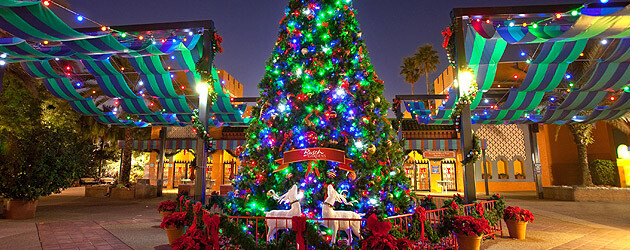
[71, 221]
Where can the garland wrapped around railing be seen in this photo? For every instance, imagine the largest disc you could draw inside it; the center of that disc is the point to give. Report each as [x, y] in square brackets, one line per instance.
[412, 231]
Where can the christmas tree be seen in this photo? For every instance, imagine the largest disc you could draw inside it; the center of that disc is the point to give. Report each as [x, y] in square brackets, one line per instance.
[320, 95]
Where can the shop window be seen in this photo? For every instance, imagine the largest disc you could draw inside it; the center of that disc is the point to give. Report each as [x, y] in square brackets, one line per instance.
[502, 169]
[519, 171]
[489, 169]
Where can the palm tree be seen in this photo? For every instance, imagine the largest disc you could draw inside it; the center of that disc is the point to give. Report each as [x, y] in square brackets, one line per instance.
[427, 59]
[410, 70]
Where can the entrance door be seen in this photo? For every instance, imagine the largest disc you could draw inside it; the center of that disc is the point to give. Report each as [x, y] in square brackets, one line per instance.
[449, 174]
[423, 175]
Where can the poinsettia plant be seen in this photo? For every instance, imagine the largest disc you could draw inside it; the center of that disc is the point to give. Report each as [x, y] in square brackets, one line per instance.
[192, 239]
[177, 219]
[167, 206]
[518, 214]
[470, 226]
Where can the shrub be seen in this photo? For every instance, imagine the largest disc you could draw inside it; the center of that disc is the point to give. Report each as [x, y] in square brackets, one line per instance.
[604, 172]
[42, 161]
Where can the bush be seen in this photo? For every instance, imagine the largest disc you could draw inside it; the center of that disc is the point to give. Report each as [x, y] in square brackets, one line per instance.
[604, 172]
[41, 162]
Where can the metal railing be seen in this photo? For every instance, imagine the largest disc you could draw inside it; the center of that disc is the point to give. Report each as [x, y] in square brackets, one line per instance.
[259, 228]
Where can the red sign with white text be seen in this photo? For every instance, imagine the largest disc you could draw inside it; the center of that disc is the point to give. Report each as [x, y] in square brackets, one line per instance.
[315, 154]
[438, 154]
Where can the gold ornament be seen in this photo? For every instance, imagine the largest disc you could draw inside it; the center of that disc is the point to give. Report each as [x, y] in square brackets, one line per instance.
[352, 176]
[371, 149]
[331, 174]
[377, 99]
[289, 175]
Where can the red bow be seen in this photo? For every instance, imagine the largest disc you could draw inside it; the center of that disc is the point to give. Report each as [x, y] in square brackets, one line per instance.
[447, 35]
[212, 224]
[421, 212]
[378, 228]
[299, 225]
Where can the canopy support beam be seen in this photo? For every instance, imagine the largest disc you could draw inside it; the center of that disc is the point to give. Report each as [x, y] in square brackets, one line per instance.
[160, 170]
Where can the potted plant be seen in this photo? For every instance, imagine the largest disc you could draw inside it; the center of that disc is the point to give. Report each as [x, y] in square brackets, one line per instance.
[519, 176]
[516, 219]
[174, 224]
[192, 239]
[504, 176]
[167, 208]
[469, 231]
[41, 162]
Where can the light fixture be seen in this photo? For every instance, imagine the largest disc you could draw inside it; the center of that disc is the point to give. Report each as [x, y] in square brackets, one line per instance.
[604, 42]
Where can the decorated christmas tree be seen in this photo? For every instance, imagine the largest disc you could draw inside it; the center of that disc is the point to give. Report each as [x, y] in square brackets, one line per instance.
[321, 120]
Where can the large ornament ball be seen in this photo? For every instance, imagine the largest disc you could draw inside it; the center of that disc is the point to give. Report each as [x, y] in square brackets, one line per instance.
[371, 149]
[239, 150]
[377, 99]
[304, 51]
[311, 137]
[359, 34]
[352, 176]
[331, 174]
[389, 143]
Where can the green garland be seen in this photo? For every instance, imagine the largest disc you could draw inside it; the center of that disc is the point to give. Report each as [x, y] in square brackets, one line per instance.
[201, 130]
[466, 99]
[473, 155]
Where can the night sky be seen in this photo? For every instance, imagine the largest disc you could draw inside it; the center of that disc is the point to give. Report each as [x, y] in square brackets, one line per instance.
[391, 29]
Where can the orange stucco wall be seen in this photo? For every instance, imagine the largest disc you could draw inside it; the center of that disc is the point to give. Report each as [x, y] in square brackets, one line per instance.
[558, 152]
[505, 186]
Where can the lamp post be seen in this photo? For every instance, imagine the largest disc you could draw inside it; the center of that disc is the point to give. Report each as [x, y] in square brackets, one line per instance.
[201, 150]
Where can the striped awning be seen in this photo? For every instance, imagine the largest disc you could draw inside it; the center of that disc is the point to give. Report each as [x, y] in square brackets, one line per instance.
[148, 145]
[446, 144]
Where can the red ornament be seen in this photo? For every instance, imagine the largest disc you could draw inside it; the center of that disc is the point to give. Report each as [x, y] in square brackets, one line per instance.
[311, 137]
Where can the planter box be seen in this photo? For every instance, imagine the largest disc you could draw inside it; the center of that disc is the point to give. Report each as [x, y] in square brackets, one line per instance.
[123, 193]
[566, 193]
[143, 191]
[95, 191]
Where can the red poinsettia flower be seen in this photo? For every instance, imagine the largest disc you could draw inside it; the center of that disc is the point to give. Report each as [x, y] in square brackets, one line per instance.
[518, 214]
[167, 206]
[470, 226]
[177, 219]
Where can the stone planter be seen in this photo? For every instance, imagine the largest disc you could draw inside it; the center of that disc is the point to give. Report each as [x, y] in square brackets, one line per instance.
[122, 193]
[465, 242]
[517, 229]
[20, 210]
[143, 191]
[173, 233]
[95, 191]
[566, 193]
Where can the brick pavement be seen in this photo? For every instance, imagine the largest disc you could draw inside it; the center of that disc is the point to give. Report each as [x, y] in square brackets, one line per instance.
[77, 235]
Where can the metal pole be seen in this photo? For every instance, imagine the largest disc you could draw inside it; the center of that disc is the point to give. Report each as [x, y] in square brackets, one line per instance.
[485, 170]
[465, 126]
[201, 151]
[533, 129]
[160, 170]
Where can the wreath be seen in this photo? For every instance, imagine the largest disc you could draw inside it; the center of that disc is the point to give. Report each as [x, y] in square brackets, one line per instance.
[473, 155]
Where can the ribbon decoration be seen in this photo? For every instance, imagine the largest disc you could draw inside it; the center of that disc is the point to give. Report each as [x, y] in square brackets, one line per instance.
[314, 154]
[196, 210]
[422, 217]
[309, 168]
[299, 225]
[447, 35]
[212, 225]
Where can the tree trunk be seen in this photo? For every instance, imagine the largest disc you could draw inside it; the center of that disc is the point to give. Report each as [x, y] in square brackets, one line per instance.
[125, 169]
[582, 137]
[412, 88]
[586, 179]
[430, 90]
